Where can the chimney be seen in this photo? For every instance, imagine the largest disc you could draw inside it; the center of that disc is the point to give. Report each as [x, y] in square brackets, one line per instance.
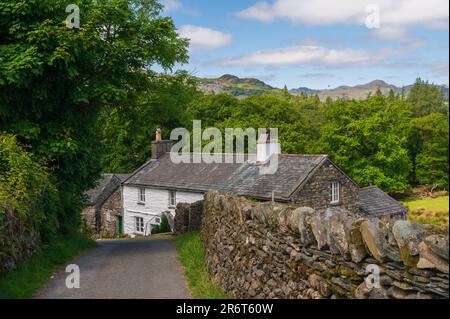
[159, 146]
[266, 147]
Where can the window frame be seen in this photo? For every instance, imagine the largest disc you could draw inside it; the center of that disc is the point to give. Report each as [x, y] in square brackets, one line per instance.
[139, 224]
[174, 197]
[335, 192]
[141, 195]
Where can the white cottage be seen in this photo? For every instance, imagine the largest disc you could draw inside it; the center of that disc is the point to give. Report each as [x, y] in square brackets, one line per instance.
[306, 180]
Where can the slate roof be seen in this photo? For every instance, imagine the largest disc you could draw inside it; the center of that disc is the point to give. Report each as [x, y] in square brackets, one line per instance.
[374, 202]
[292, 172]
[164, 173]
[106, 185]
[240, 178]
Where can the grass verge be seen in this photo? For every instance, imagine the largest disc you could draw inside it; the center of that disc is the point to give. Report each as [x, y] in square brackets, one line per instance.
[192, 256]
[31, 275]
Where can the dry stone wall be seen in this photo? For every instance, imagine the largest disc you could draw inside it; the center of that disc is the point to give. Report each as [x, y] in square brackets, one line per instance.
[17, 242]
[188, 217]
[266, 250]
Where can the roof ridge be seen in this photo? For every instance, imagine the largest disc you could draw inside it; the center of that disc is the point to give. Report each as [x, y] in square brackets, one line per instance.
[282, 154]
[370, 186]
[304, 155]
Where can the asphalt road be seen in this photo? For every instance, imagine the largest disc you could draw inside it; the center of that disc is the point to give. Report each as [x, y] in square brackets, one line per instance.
[137, 269]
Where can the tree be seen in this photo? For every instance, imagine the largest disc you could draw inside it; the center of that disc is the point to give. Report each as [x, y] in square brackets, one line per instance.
[127, 130]
[391, 96]
[54, 81]
[427, 98]
[432, 158]
[285, 91]
[368, 139]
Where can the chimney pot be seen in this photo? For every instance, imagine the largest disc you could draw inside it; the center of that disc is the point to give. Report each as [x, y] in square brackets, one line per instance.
[158, 135]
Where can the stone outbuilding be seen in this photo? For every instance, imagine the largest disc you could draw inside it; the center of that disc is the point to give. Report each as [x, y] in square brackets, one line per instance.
[102, 217]
[375, 203]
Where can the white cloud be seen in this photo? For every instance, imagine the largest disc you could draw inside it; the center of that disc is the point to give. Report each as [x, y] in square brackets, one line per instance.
[307, 54]
[205, 38]
[171, 5]
[260, 11]
[396, 16]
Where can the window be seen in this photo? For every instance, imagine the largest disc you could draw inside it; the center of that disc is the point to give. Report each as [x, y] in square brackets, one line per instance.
[157, 220]
[334, 194]
[172, 198]
[139, 224]
[141, 195]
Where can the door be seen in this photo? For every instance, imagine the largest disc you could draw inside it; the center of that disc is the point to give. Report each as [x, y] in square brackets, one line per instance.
[120, 225]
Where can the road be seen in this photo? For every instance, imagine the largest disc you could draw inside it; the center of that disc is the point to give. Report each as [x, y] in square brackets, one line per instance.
[130, 269]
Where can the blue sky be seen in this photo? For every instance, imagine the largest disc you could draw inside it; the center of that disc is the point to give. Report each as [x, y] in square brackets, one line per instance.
[316, 43]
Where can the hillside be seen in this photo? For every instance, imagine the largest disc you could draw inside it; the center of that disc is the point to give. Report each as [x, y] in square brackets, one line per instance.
[243, 87]
[359, 91]
[235, 86]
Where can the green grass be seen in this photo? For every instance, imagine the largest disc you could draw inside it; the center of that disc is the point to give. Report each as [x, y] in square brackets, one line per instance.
[430, 204]
[192, 256]
[429, 211]
[31, 275]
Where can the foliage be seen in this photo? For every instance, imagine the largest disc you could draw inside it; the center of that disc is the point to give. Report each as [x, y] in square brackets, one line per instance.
[192, 256]
[127, 130]
[426, 98]
[432, 151]
[55, 81]
[23, 182]
[163, 227]
[30, 275]
[28, 203]
[297, 118]
[369, 140]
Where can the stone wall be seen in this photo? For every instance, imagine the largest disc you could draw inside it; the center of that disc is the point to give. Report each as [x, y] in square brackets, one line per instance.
[188, 217]
[265, 250]
[89, 220]
[316, 192]
[17, 242]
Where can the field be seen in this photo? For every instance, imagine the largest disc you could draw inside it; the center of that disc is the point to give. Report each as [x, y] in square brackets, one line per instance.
[429, 210]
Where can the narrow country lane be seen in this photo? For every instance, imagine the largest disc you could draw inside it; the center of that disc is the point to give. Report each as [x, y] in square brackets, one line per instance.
[141, 269]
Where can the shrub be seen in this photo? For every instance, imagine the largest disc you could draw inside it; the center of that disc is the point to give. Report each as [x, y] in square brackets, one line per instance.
[163, 227]
[28, 203]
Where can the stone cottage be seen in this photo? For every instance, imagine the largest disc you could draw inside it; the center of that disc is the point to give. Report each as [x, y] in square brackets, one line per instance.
[102, 217]
[305, 180]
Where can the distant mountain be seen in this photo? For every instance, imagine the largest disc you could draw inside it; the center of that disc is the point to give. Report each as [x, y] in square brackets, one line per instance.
[305, 90]
[235, 86]
[243, 87]
[359, 91]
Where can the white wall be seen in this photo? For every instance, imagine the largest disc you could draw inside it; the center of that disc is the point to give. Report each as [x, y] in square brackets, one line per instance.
[156, 202]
